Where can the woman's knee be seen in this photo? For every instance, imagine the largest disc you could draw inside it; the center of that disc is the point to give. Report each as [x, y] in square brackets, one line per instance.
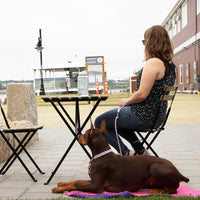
[97, 121]
[109, 116]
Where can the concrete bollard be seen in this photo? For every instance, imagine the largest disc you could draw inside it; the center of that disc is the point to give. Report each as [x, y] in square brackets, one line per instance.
[21, 104]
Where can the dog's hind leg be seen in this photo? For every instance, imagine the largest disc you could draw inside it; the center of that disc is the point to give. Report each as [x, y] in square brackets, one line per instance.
[166, 176]
[69, 186]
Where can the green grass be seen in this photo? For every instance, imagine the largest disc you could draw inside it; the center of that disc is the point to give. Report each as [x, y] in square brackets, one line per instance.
[157, 197]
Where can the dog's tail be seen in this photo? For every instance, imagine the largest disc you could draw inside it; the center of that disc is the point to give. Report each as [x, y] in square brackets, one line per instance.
[184, 179]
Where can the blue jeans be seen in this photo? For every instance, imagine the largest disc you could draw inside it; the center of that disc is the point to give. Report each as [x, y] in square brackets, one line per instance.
[126, 123]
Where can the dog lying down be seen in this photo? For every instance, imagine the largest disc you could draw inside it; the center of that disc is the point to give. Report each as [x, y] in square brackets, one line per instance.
[115, 173]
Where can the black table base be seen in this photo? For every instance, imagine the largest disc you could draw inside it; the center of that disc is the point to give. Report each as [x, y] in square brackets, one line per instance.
[77, 128]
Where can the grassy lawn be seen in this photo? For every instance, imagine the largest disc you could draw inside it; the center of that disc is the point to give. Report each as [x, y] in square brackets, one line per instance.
[185, 109]
[112, 100]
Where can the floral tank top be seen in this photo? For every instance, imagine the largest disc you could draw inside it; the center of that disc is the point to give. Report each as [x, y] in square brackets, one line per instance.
[146, 110]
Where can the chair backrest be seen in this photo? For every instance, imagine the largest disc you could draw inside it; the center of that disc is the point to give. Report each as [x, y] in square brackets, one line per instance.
[169, 95]
[4, 116]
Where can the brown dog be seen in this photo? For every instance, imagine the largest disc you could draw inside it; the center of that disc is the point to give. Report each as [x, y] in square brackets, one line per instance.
[116, 173]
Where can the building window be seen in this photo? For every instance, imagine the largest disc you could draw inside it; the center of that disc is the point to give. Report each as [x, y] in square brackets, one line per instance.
[184, 14]
[173, 25]
[178, 21]
[169, 28]
[178, 26]
[180, 74]
[198, 6]
[187, 71]
[195, 71]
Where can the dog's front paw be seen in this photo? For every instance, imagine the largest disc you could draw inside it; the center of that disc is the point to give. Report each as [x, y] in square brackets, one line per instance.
[56, 190]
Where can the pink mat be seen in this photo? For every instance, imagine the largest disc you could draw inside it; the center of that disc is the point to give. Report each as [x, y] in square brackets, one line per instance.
[182, 191]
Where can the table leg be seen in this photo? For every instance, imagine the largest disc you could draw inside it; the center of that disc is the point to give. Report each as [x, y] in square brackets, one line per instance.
[76, 124]
[63, 118]
[66, 113]
[78, 128]
[77, 119]
[90, 114]
[60, 162]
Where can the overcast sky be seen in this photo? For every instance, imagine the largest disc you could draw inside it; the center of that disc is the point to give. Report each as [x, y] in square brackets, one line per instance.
[110, 28]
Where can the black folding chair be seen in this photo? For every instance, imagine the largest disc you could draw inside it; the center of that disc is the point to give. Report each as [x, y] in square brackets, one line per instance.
[29, 133]
[168, 95]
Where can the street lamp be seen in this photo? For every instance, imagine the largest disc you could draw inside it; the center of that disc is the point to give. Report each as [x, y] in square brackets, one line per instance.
[39, 48]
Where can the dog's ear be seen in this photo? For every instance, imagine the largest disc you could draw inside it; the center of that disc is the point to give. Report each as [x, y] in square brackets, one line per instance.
[103, 125]
[91, 128]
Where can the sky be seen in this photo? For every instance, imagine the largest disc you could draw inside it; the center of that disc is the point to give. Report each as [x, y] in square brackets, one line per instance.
[74, 29]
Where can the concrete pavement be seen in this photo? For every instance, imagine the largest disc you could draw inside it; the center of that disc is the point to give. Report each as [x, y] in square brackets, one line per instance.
[178, 143]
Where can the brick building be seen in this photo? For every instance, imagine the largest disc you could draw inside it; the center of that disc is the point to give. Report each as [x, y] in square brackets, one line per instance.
[133, 83]
[183, 26]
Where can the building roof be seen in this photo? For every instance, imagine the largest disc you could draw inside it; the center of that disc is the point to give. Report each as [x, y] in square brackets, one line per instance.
[70, 67]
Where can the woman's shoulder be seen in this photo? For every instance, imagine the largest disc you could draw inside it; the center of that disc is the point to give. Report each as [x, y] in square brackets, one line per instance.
[154, 64]
[154, 61]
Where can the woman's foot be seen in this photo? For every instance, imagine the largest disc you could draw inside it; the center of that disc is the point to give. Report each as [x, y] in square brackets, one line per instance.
[143, 152]
[146, 152]
[130, 153]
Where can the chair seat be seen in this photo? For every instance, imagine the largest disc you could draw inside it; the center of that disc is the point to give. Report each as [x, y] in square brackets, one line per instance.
[146, 130]
[21, 129]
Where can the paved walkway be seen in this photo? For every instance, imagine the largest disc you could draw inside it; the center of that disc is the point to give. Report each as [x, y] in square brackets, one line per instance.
[178, 143]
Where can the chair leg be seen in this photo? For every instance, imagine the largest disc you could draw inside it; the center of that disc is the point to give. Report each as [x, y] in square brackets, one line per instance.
[11, 159]
[20, 150]
[18, 157]
[150, 143]
[144, 141]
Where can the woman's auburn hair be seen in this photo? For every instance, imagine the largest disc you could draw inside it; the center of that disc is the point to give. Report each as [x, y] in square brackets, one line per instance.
[158, 43]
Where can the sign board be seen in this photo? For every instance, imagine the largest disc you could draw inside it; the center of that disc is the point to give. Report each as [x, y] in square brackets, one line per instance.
[93, 60]
[95, 69]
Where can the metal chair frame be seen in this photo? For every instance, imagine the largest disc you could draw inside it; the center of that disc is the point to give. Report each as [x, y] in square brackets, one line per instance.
[29, 133]
[168, 95]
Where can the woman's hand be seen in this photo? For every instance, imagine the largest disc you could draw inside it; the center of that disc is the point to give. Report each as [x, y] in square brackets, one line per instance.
[123, 102]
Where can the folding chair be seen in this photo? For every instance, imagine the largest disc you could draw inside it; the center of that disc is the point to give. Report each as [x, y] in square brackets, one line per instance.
[168, 95]
[29, 133]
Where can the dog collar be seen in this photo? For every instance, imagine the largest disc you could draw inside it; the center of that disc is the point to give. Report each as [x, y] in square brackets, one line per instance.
[101, 154]
[98, 156]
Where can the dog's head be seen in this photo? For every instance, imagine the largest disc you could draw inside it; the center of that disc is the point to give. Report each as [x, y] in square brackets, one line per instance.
[94, 136]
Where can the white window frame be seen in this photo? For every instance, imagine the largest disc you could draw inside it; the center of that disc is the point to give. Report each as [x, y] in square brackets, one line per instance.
[174, 25]
[180, 74]
[178, 26]
[178, 21]
[184, 14]
[195, 71]
[170, 32]
[198, 6]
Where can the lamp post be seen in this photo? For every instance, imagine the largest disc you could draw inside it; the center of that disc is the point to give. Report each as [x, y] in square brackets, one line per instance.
[39, 48]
